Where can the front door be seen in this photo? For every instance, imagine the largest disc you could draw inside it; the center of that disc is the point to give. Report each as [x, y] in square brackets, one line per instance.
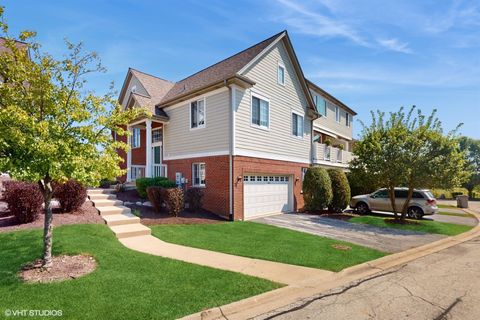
[157, 161]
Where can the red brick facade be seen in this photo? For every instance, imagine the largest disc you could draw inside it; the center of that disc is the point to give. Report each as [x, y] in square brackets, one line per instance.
[216, 197]
[244, 165]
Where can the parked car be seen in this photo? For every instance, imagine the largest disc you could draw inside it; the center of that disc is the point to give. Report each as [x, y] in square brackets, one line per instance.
[422, 203]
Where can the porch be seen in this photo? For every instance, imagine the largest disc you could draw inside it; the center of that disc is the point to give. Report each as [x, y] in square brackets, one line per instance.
[145, 155]
[331, 150]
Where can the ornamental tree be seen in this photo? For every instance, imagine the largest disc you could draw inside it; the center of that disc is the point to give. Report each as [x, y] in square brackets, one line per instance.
[52, 129]
[410, 150]
[471, 148]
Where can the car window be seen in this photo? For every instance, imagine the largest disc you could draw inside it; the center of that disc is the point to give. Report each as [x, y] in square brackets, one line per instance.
[401, 193]
[417, 195]
[429, 195]
[381, 194]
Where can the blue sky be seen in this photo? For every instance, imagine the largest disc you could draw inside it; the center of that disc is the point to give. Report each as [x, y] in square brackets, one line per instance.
[372, 54]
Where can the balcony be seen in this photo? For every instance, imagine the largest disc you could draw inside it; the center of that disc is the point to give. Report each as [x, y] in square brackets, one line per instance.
[138, 171]
[328, 155]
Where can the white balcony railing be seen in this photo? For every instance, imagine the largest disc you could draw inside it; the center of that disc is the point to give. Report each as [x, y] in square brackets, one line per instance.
[160, 170]
[324, 153]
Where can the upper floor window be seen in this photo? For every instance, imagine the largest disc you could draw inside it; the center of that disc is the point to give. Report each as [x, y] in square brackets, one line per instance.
[260, 112]
[197, 114]
[135, 137]
[337, 114]
[348, 119]
[281, 74]
[297, 125]
[321, 105]
[156, 135]
[198, 174]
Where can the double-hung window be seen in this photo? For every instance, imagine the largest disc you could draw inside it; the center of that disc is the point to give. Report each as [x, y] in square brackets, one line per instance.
[260, 112]
[135, 137]
[197, 114]
[297, 125]
[281, 74]
[337, 114]
[321, 105]
[348, 119]
[198, 174]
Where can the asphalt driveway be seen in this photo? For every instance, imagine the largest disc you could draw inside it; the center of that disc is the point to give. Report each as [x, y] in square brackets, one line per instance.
[387, 240]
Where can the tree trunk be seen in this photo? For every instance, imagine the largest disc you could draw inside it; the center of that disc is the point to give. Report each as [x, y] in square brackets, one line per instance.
[407, 202]
[391, 192]
[47, 191]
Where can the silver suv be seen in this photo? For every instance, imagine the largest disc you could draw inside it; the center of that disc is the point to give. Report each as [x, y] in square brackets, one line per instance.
[422, 202]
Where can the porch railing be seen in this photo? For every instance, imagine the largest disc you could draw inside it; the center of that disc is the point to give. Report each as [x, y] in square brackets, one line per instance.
[322, 152]
[137, 171]
[160, 170]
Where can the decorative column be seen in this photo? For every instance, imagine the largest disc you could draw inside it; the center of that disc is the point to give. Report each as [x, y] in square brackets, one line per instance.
[129, 156]
[148, 137]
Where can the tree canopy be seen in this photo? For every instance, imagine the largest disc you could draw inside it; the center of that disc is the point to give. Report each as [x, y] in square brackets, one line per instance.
[52, 128]
[471, 148]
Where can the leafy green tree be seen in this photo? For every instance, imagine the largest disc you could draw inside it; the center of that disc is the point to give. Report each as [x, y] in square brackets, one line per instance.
[52, 129]
[471, 148]
[411, 150]
[317, 189]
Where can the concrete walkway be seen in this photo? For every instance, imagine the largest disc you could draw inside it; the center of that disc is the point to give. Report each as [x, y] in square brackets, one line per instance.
[132, 234]
[388, 240]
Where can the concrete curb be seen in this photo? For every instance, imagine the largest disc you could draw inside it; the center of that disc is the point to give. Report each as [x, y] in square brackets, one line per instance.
[255, 307]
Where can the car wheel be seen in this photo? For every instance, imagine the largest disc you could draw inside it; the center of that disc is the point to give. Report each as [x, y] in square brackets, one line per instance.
[415, 213]
[362, 208]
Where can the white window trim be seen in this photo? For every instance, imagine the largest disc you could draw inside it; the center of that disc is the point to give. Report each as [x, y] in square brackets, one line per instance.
[281, 65]
[200, 185]
[204, 114]
[337, 112]
[264, 98]
[316, 97]
[139, 138]
[348, 119]
[303, 125]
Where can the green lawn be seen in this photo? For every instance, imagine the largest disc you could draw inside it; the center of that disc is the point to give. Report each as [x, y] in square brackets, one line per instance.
[126, 284]
[266, 242]
[448, 229]
[463, 215]
[446, 206]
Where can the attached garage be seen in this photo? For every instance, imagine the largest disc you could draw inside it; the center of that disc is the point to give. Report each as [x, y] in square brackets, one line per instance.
[266, 194]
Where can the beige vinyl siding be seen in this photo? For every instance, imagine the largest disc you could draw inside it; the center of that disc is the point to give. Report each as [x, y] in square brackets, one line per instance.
[277, 141]
[180, 140]
[139, 89]
[329, 122]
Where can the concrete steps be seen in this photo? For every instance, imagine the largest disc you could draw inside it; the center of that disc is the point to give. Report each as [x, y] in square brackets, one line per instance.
[106, 203]
[121, 219]
[118, 217]
[130, 230]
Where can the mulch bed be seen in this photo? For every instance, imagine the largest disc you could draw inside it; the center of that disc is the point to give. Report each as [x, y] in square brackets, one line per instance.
[149, 216]
[86, 214]
[344, 216]
[63, 268]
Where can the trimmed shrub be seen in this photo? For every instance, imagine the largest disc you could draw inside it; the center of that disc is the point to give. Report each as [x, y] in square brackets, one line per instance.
[24, 200]
[143, 183]
[174, 200]
[194, 198]
[317, 189]
[155, 197]
[70, 194]
[340, 190]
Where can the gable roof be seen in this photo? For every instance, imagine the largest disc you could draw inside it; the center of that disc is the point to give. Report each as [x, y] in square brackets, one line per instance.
[328, 96]
[222, 70]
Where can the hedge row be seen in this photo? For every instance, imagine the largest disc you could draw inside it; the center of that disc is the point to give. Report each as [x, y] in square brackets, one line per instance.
[143, 183]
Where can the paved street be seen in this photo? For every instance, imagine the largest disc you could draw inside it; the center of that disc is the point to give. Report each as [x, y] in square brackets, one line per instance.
[444, 285]
[388, 240]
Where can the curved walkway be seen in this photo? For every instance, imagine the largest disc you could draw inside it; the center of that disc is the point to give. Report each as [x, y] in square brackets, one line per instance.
[137, 237]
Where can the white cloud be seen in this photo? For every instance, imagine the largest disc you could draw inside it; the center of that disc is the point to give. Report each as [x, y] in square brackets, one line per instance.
[394, 44]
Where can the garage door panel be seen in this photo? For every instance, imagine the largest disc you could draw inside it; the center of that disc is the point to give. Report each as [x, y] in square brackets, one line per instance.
[266, 194]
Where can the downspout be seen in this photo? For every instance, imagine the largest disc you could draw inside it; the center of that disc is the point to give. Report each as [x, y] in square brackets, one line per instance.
[231, 148]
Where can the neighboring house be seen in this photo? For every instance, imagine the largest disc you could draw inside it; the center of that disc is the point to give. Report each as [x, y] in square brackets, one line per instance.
[245, 129]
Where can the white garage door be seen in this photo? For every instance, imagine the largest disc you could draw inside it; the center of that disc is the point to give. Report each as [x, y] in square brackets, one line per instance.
[265, 194]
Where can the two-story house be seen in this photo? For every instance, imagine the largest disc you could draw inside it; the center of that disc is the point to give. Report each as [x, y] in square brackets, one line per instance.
[245, 129]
